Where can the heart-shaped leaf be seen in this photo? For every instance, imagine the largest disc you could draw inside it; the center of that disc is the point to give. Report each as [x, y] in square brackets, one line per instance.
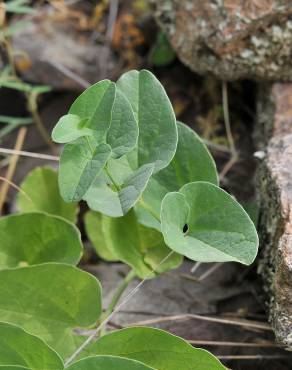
[18, 348]
[116, 191]
[94, 230]
[42, 194]
[204, 223]
[140, 247]
[192, 162]
[156, 119]
[33, 238]
[155, 348]
[108, 363]
[50, 301]
[80, 164]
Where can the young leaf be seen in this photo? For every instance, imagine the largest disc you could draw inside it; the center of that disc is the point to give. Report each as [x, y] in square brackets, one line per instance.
[192, 162]
[204, 223]
[94, 230]
[50, 301]
[108, 363]
[140, 247]
[163, 53]
[33, 238]
[69, 128]
[156, 119]
[123, 131]
[115, 196]
[80, 164]
[41, 186]
[100, 125]
[92, 99]
[155, 348]
[19, 348]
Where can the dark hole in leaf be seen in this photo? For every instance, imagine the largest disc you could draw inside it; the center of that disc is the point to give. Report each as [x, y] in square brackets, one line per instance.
[185, 228]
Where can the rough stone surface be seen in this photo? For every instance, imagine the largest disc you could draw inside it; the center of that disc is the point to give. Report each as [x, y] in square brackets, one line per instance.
[274, 137]
[56, 52]
[233, 38]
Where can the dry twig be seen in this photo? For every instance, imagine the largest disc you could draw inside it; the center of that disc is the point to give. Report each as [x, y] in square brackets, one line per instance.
[12, 166]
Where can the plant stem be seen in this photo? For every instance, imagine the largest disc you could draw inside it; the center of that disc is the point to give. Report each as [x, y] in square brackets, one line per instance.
[149, 209]
[33, 109]
[117, 187]
[31, 99]
[116, 297]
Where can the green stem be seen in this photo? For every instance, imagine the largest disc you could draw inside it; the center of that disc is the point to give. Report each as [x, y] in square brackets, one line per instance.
[116, 297]
[33, 109]
[31, 99]
[149, 209]
[117, 187]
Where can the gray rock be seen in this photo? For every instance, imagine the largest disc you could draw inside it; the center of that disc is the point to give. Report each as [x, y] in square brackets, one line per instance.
[274, 137]
[231, 39]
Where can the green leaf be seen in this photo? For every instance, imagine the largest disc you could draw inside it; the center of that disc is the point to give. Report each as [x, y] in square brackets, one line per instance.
[163, 53]
[17, 121]
[156, 348]
[92, 101]
[204, 223]
[192, 162]
[50, 301]
[12, 84]
[101, 124]
[19, 7]
[41, 186]
[156, 119]
[80, 164]
[140, 247]
[69, 128]
[39, 238]
[123, 132]
[19, 348]
[114, 195]
[94, 231]
[108, 363]
[109, 117]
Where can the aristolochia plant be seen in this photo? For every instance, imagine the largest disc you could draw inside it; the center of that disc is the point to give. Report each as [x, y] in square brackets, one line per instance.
[152, 188]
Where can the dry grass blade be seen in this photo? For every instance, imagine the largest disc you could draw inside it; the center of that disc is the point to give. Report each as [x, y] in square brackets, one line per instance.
[30, 154]
[10, 183]
[12, 166]
[234, 344]
[253, 357]
[242, 323]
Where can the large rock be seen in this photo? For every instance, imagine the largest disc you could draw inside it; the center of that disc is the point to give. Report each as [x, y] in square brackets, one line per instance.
[274, 138]
[232, 39]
